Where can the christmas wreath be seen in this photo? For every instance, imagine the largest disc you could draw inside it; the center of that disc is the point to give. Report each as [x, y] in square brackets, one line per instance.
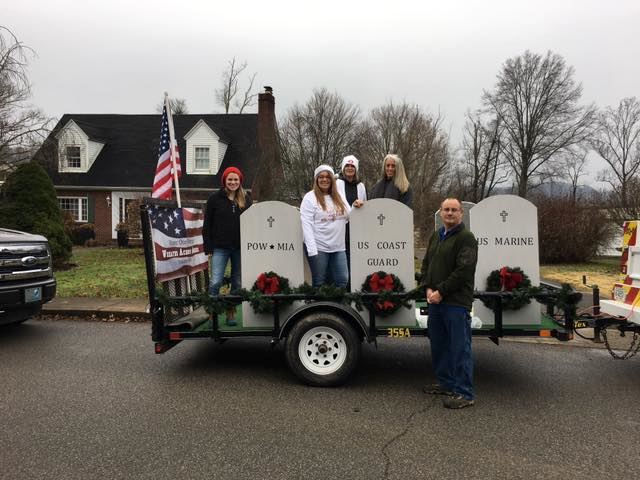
[512, 280]
[268, 283]
[384, 284]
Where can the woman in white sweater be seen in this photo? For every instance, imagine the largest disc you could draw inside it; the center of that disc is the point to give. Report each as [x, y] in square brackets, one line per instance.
[324, 215]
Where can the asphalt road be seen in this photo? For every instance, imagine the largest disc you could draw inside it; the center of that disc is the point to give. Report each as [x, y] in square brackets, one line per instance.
[89, 400]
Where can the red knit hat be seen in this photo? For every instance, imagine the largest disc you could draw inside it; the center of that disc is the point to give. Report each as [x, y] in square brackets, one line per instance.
[229, 170]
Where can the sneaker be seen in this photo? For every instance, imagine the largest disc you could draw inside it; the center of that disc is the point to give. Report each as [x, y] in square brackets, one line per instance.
[231, 317]
[456, 402]
[436, 389]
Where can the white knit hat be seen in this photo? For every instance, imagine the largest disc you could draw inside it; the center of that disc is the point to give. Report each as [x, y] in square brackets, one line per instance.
[349, 160]
[323, 168]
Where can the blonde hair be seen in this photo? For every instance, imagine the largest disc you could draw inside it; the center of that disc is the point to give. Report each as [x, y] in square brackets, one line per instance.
[400, 178]
[333, 192]
[239, 196]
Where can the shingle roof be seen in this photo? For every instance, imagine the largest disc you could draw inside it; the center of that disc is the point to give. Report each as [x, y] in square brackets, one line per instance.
[130, 153]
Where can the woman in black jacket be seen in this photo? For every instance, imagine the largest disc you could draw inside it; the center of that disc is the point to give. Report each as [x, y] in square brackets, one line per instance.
[394, 183]
[221, 231]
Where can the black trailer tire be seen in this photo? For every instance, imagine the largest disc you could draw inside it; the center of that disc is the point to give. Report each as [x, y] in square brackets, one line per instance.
[322, 349]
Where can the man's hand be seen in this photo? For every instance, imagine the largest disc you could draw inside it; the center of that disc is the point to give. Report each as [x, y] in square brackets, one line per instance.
[433, 296]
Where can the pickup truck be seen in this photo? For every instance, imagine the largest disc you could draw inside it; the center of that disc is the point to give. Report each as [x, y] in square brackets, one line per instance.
[26, 275]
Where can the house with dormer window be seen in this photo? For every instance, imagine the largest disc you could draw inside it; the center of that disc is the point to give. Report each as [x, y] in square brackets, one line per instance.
[100, 162]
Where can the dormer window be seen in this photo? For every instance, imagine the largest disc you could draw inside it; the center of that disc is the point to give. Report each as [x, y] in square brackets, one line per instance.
[202, 159]
[72, 157]
[205, 150]
[76, 151]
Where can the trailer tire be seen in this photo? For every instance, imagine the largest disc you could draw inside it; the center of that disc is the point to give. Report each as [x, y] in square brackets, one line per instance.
[322, 349]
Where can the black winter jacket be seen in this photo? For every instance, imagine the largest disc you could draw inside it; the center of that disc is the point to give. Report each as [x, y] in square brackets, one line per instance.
[221, 227]
[449, 265]
[387, 189]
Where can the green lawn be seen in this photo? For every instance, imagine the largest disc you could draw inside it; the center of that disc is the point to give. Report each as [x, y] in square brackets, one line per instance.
[120, 273]
[104, 272]
[603, 272]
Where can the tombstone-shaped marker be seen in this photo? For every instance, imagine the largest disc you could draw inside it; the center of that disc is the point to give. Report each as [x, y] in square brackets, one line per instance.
[506, 227]
[271, 240]
[382, 240]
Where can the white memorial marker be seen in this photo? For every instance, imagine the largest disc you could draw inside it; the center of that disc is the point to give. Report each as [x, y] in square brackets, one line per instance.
[382, 240]
[271, 240]
[506, 227]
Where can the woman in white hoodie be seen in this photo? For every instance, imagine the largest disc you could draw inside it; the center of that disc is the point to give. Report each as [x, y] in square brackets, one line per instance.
[324, 215]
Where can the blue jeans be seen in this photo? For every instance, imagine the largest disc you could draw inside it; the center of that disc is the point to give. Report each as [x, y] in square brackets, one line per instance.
[219, 261]
[325, 266]
[450, 334]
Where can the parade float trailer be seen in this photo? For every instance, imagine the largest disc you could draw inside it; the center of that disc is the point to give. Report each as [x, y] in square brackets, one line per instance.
[323, 329]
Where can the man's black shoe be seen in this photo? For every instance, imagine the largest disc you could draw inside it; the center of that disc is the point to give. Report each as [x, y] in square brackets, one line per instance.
[457, 402]
[436, 389]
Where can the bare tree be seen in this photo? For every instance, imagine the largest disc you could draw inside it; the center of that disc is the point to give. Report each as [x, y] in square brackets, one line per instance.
[323, 130]
[618, 143]
[228, 95]
[178, 106]
[417, 137]
[22, 126]
[482, 156]
[573, 164]
[536, 100]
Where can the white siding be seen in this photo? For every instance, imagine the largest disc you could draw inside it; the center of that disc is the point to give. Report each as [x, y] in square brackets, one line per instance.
[94, 151]
[222, 149]
[72, 135]
[202, 136]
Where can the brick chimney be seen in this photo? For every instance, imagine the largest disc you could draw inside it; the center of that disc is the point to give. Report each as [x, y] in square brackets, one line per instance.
[270, 174]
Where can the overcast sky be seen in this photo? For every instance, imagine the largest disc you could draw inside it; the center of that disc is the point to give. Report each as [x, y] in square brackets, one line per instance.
[120, 56]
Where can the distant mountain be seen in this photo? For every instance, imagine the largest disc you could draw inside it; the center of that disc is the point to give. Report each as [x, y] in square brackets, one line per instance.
[552, 189]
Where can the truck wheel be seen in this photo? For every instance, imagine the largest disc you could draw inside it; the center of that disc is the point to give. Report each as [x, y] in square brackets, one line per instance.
[322, 350]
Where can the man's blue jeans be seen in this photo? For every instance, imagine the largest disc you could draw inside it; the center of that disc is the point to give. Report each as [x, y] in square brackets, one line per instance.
[329, 266]
[450, 334]
[219, 261]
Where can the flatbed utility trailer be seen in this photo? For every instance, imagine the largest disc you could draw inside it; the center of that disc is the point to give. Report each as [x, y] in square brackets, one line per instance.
[323, 336]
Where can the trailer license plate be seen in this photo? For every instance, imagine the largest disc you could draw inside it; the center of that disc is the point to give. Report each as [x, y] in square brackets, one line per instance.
[33, 294]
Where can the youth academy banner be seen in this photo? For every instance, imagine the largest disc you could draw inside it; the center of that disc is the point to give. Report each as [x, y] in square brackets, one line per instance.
[177, 241]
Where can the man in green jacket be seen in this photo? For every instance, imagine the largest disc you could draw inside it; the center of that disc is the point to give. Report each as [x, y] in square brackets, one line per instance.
[448, 272]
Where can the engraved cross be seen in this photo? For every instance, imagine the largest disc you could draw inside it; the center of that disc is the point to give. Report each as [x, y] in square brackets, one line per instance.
[504, 216]
[271, 220]
[381, 217]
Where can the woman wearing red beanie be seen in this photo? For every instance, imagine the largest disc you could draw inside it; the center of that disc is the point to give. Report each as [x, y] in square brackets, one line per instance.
[221, 232]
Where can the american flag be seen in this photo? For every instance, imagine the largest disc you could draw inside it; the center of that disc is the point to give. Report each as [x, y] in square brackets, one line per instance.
[163, 181]
[177, 241]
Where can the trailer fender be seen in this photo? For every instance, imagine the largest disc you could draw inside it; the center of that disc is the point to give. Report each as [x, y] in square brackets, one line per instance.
[344, 311]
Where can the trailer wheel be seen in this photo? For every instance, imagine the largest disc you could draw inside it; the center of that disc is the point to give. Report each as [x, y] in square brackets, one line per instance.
[322, 350]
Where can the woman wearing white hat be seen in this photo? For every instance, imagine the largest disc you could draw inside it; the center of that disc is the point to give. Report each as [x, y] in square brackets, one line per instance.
[352, 191]
[324, 215]
[349, 186]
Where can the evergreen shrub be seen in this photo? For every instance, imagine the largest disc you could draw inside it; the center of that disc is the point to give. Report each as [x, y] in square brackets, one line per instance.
[28, 203]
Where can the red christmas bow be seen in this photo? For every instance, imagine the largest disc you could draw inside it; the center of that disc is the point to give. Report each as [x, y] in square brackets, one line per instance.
[377, 283]
[268, 285]
[386, 305]
[509, 280]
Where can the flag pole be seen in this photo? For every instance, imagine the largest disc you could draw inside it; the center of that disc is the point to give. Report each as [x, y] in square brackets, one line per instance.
[172, 146]
[172, 152]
